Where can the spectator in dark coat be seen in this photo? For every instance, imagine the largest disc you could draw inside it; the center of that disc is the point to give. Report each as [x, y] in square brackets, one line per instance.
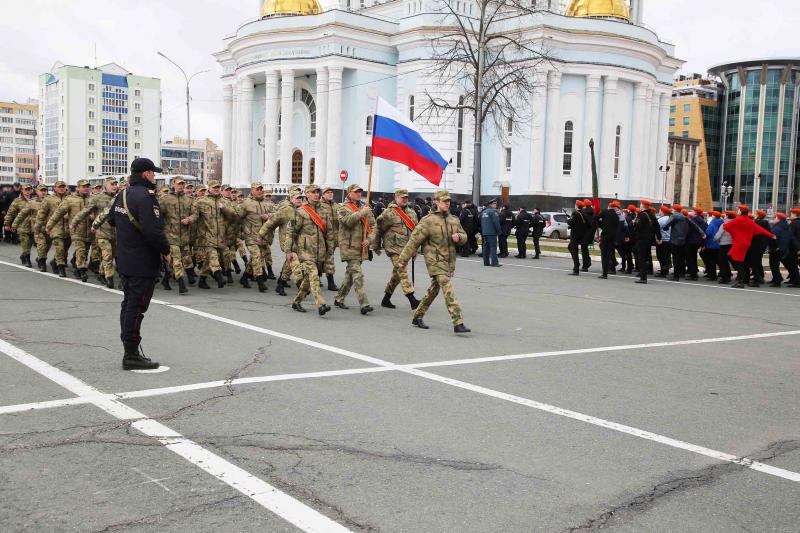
[608, 221]
[783, 252]
[490, 229]
[755, 255]
[695, 240]
[469, 221]
[588, 237]
[506, 225]
[523, 227]
[577, 234]
[537, 229]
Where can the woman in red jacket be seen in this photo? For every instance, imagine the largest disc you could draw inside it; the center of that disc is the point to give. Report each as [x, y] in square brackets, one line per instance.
[742, 229]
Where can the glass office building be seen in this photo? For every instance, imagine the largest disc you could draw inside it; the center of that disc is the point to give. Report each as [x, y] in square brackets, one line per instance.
[759, 149]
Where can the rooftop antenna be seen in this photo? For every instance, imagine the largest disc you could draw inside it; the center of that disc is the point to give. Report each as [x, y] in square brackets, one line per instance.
[95, 55]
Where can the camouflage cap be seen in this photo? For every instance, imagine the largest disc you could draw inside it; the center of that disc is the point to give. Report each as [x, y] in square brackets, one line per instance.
[327, 188]
[294, 188]
[164, 188]
[213, 183]
[178, 180]
[354, 187]
[27, 186]
[202, 187]
[441, 196]
[123, 181]
[295, 193]
[189, 185]
[41, 187]
[81, 183]
[268, 191]
[401, 193]
[311, 188]
[226, 187]
[60, 183]
[256, 185]
[110, 179]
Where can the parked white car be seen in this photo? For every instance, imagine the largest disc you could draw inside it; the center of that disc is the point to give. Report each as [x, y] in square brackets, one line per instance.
[555, 225]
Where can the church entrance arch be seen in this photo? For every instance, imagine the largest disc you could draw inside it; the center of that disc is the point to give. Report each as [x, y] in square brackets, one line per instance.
[297, 167]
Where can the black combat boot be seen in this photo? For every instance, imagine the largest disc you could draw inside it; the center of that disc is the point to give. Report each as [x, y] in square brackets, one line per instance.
[340, 305]
[299, 308]
[42, 262]
[270, 273]
[201, 284]
[262, 283]
[22, 260]
[110, 282]
[220, 280]
[419, 323]
[331, 284]
[134, 359]
[28, 261]
[461, 328]
[324, 308]
[53, 266]
[165, 283]
[387, 302]
[236, 267]
[279, 288]
[182, 286]
[62, 271]
[366, 309]
[84, 275]
[243, 281]
[191, 275]
[412, 300]
[229, 277]
[94, 265]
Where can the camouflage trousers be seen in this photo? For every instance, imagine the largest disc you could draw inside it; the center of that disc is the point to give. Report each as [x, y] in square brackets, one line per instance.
[441, 282]
[228, 256]
[329, 267]
[181, 259]
[26, 242]
[307, 272]
[241, 247]
[399, 277]
[255, 265]
[95, 255]
[289, 269]
[62, 247]
[107, 249]
[210, 258]
[42, 245]
[353, 278]
[81, 253]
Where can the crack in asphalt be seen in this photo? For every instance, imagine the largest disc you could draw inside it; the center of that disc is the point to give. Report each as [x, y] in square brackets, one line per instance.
[159, 518]
[682, 482]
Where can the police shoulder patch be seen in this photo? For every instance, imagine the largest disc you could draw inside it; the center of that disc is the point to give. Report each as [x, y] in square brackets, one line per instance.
[156, 211]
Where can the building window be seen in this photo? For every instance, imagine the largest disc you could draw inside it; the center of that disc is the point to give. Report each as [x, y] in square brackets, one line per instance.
[91, 114]
[279, 126]
[91, 155]
[508, 159]
[312, 168]
[138, 146]
[568, 132]
[367, 155]
[307, 99]
[137, 92]
[137, 133]
[137, 120]
[685, 121]
[91, 169]
[137, 106]
[685, 133]
[617, 144]
[411, 108]
[672, 121]
[91, 100]
[369, 125]
[91, 128]
[460, 138]
[91, 87]
[91, 142]
[673, 108]
[509, 126]
[297, 167]
[687, 108]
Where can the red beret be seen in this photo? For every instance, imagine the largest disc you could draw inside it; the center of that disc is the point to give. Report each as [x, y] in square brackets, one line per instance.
[652, 209]
[677, 207]
[761, 212]
[631, 207]
[781, 216]
[578, 203]
[685, 212]
[614, 204]
[666, 210]
[715, 213]
[795, 211]
[647, 203]
[744, 209]
[587, 203]
[697, 210]
[730, 212]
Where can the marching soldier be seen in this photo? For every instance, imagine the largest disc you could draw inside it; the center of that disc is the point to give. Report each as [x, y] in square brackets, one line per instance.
[210, 213]
[105, 235]
[328, 207]
[13, 211]
[23, 231]
[26, 219]
[280, 220]
[395, 226]
[307, 240]
[176, 207]
[197, 250]
[79, 232]
[231, 233]
[356, 234]
[60, 236]
[437, 234]
[255, 211]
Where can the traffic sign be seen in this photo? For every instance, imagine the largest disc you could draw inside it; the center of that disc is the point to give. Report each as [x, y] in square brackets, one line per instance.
[343, 175]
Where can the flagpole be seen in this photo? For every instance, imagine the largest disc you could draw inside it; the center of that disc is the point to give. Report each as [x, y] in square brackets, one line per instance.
[369, 179]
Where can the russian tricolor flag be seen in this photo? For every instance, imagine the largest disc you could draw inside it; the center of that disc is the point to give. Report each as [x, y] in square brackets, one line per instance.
[396, 138]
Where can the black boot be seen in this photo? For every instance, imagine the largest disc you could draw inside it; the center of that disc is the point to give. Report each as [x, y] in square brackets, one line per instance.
[93, 265]
[324, 308]
[331, 284]
[270, 274]
[42, 264]
[22, 260]
[279, 288]
[134, 360]
[182, 286]
[262, 283]
[299, 308]
[220, 280]
[28, 260]
[366, 309]
[236, 267]
[229, 277]
[191, 275]
[419, 323]
[110, 282]
[62, 271]
[83, 274]
[412, 300]
[165, 283]
[340, 305]
[54, 266]
[201, 284]
[461, 328]
[243, 281]
[387, 302]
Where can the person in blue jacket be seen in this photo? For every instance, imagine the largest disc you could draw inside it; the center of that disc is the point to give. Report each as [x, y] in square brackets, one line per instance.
[710, 253]
[490, 229]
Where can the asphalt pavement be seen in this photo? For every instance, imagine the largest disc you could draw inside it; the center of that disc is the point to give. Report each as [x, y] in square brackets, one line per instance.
[576, 404]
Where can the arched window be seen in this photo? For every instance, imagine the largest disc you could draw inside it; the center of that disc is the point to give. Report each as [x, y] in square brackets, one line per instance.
[297, 167]
[307, 99]
[369, 125]
[460, 138]
[278, 170]
[279, 126]
[312, 168]
[509, 126]
[411, 108]
[568, 132]
[617, 144]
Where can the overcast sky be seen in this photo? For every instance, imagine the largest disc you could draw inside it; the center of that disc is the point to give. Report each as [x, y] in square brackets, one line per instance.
[37, 33]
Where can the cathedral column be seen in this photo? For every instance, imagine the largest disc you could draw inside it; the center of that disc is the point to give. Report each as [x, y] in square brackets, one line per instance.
[287, 102]
[662, 139]
[539, 105]
[652, 163]
[321, 144]
[334, 124]
[271, 127]
[227, 104]
[609, 129]
[641, 135]
[232, 153]
[592, 117]
[245, 175]
[554, 146]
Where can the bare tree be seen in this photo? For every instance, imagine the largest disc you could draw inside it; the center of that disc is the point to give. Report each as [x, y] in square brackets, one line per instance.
[483, 49]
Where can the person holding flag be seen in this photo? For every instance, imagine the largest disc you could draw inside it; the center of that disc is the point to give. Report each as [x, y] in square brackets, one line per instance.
[394, 227]
[356, 236]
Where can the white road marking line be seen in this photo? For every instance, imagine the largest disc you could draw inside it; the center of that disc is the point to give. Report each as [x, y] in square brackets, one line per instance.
[22, 407]
[280, 503]
[159, 370]
[649, 278]
[786, 474]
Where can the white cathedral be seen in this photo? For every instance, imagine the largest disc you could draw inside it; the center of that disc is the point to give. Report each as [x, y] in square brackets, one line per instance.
[301, 82]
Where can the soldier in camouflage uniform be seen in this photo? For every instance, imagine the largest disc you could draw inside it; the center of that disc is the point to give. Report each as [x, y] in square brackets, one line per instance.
[308, 238]
[394, 227]
[197, 251]
[25, 221]
[356, 235]
[23, 231]
[437, 233]
[79, 233]
[231, 233]
[255, 211]
[105, 235]
[176, 207]
[328, 207]
[210, 213]
[95, 255]
[280, 220]
[60, 234]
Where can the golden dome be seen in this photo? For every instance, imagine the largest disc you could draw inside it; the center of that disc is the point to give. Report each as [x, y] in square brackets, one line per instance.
[289, 7]
[600, 9]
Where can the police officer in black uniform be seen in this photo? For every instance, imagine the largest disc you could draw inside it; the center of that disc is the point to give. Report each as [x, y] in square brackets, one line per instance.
[141, 246]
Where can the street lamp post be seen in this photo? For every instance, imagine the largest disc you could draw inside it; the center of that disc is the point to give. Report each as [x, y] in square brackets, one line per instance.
[726, 191]
[188, 110]
[756, 191]
[665, 170]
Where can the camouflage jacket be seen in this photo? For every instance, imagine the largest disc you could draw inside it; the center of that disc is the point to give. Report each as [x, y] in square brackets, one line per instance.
[21, 222]
[251, 210]
[393, 233]
[305, 238]
[434, 233]
[328, 211]
[175, 207]
[70, 207]
[14, 209]
[351, 230]
[97, 207]
[279, 220]
[210, 213]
